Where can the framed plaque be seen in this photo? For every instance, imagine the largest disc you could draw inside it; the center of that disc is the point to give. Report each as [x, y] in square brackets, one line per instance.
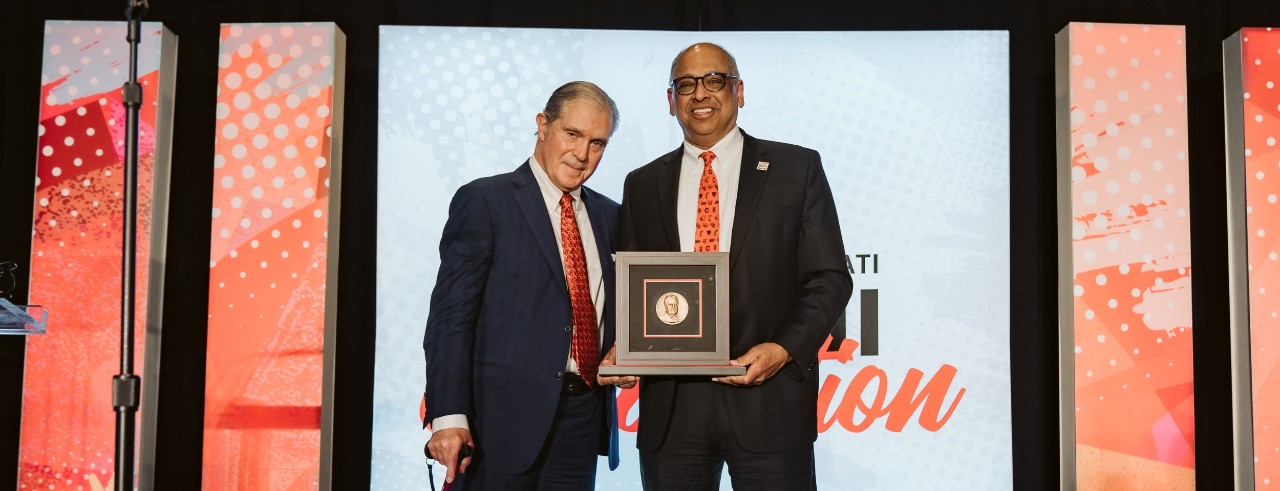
[673, 314]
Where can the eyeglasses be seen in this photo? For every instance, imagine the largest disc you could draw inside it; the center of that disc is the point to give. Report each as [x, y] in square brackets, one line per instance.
[713, 82]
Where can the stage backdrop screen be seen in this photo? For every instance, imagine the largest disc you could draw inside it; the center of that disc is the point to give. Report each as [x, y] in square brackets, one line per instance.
[913, 128]
[1124, 279]
[1253, 123]
[273, 256]
[77, 250]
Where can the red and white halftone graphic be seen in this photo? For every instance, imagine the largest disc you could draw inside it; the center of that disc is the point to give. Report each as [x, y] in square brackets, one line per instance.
[269, 254]
[68, 426]
[1130, 252]
[1253, 169]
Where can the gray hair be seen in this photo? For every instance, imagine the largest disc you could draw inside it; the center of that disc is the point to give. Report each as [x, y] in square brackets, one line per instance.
[585, 92]
[733, 62]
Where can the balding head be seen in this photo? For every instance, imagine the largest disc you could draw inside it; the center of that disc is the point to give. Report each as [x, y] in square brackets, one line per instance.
[708, 48]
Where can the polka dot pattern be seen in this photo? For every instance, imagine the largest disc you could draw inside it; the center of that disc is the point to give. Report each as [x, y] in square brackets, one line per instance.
[76, 244]
[881, 104]
[268, 253]
[455, 104]
[1131, 252]
[707, 222]
[1260, 62]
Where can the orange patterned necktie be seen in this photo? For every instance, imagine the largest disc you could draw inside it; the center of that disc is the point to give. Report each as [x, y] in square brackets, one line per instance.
[706, 236]
[586, 338]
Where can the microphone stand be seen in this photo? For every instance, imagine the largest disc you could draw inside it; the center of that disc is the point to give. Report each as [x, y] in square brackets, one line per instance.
[125, 386]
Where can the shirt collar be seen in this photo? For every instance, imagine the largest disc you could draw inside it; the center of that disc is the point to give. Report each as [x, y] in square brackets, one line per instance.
[732, 139]
[550, 193]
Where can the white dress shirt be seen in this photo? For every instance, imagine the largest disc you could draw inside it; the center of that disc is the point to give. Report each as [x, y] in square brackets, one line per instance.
[595, 276]
[727, 166]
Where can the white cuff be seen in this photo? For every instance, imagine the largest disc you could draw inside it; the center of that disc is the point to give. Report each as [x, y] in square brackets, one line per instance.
[450, 421]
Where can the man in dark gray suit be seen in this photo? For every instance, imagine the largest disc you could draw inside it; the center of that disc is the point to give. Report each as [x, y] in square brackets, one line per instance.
[522, 312]
[769, 205]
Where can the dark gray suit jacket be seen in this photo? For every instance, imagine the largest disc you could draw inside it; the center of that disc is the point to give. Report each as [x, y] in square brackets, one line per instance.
[498, 332]
[788, 284]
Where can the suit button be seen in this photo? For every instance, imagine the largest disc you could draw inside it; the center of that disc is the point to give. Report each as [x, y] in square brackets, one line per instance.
[568, 328]
[559, 375]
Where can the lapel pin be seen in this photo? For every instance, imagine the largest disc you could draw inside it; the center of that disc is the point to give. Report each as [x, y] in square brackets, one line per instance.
[762, 165]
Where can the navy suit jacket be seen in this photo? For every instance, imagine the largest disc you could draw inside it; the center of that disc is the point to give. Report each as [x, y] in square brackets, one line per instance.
[498, 333]
[788, 284]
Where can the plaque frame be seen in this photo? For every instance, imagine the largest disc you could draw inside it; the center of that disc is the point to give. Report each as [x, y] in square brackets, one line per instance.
[686, 351]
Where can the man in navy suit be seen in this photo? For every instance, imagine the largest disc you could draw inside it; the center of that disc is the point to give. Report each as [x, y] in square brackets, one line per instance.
[522, 312]
[769, 205]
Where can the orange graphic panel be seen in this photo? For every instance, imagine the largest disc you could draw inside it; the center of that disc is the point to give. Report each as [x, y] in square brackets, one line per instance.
[1131, 257]
[1260, 71]
[68, 422]
[268, 264]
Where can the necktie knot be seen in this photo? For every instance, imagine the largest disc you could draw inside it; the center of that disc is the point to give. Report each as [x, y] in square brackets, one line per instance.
[707, 157]
[566, 202]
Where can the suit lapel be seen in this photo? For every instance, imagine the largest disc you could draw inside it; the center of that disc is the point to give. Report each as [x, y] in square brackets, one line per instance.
[600, 227]
[668, 190]
[534, 208]
[750, 189]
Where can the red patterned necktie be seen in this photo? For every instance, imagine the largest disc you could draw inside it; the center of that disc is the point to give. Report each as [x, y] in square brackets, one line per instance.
[586, 337]
[706, 235]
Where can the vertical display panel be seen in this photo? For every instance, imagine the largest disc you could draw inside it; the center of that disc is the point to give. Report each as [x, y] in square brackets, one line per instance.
[68, 423]
[1251, 68]
[1125, 278]
[273, 255]
[913, 128]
